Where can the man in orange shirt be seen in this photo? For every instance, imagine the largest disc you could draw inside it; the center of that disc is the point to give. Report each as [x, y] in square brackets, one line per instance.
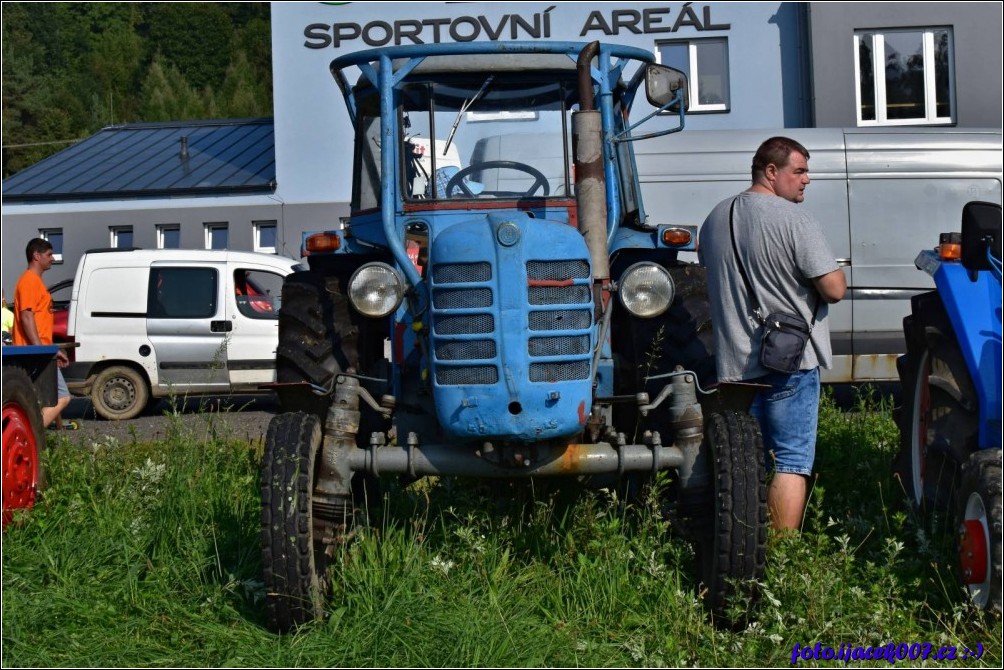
[33, 317]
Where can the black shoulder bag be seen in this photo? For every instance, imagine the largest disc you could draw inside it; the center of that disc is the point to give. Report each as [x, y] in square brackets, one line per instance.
[782, 336]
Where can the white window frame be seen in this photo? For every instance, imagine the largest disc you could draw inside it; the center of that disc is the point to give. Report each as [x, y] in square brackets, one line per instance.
[258, 225]
[216, 225]
[161, 229]
[693, 72]
[44, 233]
[930, 92]
[113, 235]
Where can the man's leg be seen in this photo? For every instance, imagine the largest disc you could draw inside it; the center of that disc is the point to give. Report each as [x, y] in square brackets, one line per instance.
[50, 414]
[788, 414]
[786, 497]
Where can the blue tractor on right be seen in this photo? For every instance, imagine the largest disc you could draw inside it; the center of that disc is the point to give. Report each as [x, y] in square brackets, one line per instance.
[950, 426]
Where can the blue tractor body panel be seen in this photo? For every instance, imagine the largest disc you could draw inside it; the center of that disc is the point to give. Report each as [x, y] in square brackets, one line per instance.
[512, 328]
[974, 308]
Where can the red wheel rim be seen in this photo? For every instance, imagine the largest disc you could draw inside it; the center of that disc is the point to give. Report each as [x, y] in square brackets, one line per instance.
[973, 551]
[20, 461]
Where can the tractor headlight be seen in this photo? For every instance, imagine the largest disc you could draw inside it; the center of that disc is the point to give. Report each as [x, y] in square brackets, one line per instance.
[646, 290]
[376, 290]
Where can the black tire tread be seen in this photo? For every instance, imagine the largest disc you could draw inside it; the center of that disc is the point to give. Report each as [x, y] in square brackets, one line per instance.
[294, 569]
[733, 551]
[316, 339]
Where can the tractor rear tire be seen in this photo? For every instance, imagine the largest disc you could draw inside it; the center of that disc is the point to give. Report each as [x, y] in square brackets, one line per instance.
[298, 526]
[939, 424]
[731, 546]
[979, 537]
[689, 334]
[316, 341]
[23, 443]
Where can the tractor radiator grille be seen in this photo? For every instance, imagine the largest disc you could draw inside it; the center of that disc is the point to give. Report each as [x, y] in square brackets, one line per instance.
[464, 311]
[553, 314]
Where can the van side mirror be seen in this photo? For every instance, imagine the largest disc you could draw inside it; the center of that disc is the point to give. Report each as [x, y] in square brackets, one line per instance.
[661, 85]
[981, 228]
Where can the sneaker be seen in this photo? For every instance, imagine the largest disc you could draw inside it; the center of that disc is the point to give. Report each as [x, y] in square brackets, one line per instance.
[71, 424]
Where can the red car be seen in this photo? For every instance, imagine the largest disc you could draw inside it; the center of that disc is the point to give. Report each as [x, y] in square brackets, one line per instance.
[60, 292]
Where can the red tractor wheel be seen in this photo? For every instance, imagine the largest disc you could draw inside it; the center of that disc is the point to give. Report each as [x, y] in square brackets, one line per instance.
[22, 443]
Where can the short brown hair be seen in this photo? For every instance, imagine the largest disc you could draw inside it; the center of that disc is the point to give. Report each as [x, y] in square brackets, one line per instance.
[36, 245]
[776, 150]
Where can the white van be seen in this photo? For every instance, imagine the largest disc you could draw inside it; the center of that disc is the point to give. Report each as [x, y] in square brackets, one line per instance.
[150, 323]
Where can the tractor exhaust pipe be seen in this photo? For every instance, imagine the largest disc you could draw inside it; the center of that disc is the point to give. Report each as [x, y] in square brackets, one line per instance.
[590, 176]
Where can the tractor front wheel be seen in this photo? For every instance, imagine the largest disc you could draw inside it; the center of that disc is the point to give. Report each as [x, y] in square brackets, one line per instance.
[732, 545]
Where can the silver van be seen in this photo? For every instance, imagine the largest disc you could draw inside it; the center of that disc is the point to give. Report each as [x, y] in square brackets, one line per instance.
[149, 323]
[881, 195]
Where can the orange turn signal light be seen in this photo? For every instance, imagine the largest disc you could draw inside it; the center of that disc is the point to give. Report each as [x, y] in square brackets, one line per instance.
[323, 243]
[677, 237]
[950, 246]
[949, 251]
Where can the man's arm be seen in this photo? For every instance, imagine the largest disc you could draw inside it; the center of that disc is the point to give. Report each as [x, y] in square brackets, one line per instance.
[831, 286]
[27, 319]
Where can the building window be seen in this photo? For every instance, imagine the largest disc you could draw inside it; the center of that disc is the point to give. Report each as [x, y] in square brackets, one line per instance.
[216, 235]
[120, 237]
[706, 63]
[265, 236]
[169, 237]
[905, 77]
[55, 237]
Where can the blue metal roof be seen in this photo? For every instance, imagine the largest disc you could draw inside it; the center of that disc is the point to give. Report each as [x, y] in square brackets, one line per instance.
[154, 160]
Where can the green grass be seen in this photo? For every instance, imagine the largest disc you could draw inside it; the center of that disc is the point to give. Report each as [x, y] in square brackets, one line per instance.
[148, 555]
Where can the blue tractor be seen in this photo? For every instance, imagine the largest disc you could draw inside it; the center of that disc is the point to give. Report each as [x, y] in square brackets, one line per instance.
[950, 426]
[499, 304]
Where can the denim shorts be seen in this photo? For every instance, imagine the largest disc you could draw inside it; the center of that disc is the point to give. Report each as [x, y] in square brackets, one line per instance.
[62, 390]
[788, 414]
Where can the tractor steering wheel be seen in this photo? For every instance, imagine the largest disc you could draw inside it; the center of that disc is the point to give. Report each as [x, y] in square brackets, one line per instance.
[457, 181]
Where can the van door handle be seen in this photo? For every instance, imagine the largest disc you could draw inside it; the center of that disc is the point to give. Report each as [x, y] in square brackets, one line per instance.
[223, 326]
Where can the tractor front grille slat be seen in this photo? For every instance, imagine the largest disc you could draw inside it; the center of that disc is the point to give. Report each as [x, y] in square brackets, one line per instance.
[465, 324]
[559, 295]
[562, 319]
[461, 298]
[559, 372]
[465, 350]
[557, 270]
[470, 374]
[573, 345]
[461, 273]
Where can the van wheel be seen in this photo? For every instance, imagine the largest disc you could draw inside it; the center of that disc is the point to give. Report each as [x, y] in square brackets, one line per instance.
[119, 393]
[316, 341]
[23, 442]
[939, 425]
[731, 544]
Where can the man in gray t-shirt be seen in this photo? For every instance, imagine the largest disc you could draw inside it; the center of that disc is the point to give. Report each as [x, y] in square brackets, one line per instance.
[791, 269]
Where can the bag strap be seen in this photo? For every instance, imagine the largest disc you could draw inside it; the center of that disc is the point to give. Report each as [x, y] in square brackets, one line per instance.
[757, 310]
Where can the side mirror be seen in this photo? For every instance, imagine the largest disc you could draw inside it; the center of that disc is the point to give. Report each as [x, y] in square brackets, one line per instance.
[981, 228]
[661, 85]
